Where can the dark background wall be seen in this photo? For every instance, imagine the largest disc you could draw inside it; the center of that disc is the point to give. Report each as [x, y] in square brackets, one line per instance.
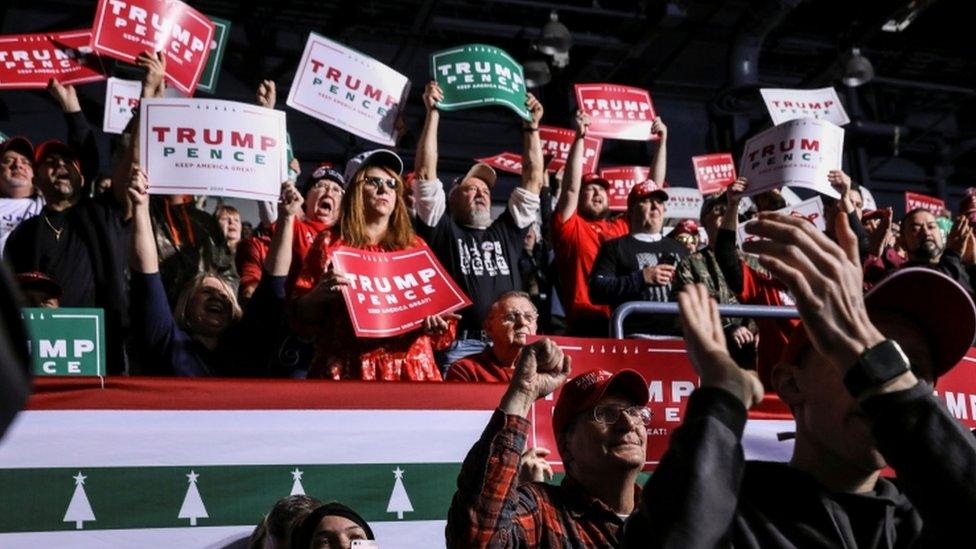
[703, 62]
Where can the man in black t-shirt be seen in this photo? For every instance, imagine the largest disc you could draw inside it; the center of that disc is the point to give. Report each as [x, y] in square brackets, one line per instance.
[639, 266]
[480, 254]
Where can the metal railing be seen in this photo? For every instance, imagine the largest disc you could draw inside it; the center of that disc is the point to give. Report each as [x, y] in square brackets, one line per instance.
[651, 307]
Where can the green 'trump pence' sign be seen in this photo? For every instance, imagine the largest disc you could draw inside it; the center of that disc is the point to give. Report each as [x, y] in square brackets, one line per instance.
[477, 75]
[66, 342]
[208, 80]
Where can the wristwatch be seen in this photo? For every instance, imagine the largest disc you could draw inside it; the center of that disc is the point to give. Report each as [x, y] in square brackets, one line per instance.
[876, 366]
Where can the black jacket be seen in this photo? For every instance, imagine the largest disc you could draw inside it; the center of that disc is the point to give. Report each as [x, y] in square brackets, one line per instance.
[704, 493]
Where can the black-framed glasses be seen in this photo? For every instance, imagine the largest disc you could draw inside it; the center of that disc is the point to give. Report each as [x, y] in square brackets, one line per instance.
[610, 414]
[377, 182]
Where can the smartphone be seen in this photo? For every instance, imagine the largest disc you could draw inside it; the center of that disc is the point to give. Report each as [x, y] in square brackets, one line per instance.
[667, 259]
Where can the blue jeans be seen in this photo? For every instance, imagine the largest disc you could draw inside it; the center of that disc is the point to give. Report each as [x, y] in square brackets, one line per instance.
[458, 350]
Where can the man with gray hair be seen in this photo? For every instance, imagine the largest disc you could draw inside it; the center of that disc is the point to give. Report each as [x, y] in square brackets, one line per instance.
[480, 254]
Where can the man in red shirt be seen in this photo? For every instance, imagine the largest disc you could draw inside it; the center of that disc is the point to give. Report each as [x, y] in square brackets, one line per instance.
[581, 224]
[512, 318]
[323, 193]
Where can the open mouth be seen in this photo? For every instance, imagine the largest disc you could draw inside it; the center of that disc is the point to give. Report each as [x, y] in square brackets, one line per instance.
[214, 308]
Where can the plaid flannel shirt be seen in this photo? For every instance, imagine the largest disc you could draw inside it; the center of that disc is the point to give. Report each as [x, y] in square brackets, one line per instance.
[491, 509]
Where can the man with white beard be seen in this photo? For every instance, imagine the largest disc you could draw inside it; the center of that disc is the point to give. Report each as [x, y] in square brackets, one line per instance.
[480, 254]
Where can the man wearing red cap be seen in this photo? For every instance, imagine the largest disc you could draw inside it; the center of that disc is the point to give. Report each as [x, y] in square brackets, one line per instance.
[19, 200]
[479, 253]
[857, 376]
[639, 266]
[600, 424]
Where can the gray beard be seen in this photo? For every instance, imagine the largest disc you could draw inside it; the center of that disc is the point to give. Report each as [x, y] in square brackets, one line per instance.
[928, 251]
[475, 218]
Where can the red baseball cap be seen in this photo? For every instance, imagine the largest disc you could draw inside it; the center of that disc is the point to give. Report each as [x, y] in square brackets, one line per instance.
[913, 292]
[595, 178]
[18, 144]
[685, 226]
[584, 391]
[647, 188]
[41, 282]
[53, 146]
[873, 214]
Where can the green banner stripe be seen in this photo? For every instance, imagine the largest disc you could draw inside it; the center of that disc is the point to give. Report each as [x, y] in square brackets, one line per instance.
[151, 497]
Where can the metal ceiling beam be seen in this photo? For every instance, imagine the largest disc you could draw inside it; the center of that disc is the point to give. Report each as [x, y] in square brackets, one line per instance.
[489, 28]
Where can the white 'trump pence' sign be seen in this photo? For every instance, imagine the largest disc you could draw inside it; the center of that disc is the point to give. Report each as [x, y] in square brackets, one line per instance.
[822, 104]
[798, 153]
[347, 89]
[212, 147]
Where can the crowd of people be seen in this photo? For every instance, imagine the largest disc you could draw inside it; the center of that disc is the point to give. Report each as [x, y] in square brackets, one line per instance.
[189, 292]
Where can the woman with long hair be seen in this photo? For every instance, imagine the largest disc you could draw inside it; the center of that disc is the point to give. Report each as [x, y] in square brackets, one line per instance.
[374, 218]
[208, 334]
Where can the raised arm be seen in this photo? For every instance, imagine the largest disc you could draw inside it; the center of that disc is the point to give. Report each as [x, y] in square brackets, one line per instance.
[725, 249]
[81, 138]
[659, 166]
[144, 257]
[426, 164]
[278, 260]
[573, 175]
[533, 168]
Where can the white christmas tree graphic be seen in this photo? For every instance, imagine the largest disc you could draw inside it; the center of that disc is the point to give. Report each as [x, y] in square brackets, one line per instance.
[296, 487]
[399, 500]
[79, 510]
[192, 507]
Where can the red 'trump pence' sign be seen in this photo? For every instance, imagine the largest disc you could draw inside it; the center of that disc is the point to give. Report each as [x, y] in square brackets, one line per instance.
[617, 112]
[30, 60]
[390, 293]
[665, 367]
[714, 172]
[506, 161]
[621, 179]
[125, 28]
[930, 203]
[557, 142]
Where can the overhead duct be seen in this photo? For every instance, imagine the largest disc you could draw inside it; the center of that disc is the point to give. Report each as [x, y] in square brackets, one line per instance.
[748, 42]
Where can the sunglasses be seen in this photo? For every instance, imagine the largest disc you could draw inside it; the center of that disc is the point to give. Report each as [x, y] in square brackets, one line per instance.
[378, 182]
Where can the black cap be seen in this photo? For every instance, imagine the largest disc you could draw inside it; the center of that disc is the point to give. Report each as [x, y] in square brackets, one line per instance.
[301, 538]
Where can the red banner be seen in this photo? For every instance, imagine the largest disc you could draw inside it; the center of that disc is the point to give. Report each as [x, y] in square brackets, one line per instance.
[506, 162]
[125, 28]
[617, 112]
[958, 389]
[714, 172]
[29, 60]
[556, 143]
[390, 293]
[930, 203]
[664, 365]
[621, 179]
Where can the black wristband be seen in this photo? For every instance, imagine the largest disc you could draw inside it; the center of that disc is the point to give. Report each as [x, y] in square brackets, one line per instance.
[530, 129]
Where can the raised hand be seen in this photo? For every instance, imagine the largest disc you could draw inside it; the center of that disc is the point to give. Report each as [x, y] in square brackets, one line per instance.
[433, 94]
[959, 235]
[533, 466]
[291, 200]
[707, 351]
[581, 123]
[840, 181]
[138, 189]
[535, 111]
[541, 369]
[266, 94]
[825, 279]
[733, 194]
[659, 129]
[66, 96]
[155, 65]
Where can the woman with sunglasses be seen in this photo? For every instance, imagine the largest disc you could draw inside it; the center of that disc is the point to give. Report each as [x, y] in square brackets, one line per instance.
[373, 218]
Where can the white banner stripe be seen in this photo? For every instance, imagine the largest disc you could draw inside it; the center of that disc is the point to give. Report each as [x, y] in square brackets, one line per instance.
[79, 438]
[420, 534]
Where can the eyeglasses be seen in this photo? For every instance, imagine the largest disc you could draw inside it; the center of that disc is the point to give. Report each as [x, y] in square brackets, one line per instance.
[328, 186]
[378, 182]
[512, 316]
[686, 239]
[609, 414]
